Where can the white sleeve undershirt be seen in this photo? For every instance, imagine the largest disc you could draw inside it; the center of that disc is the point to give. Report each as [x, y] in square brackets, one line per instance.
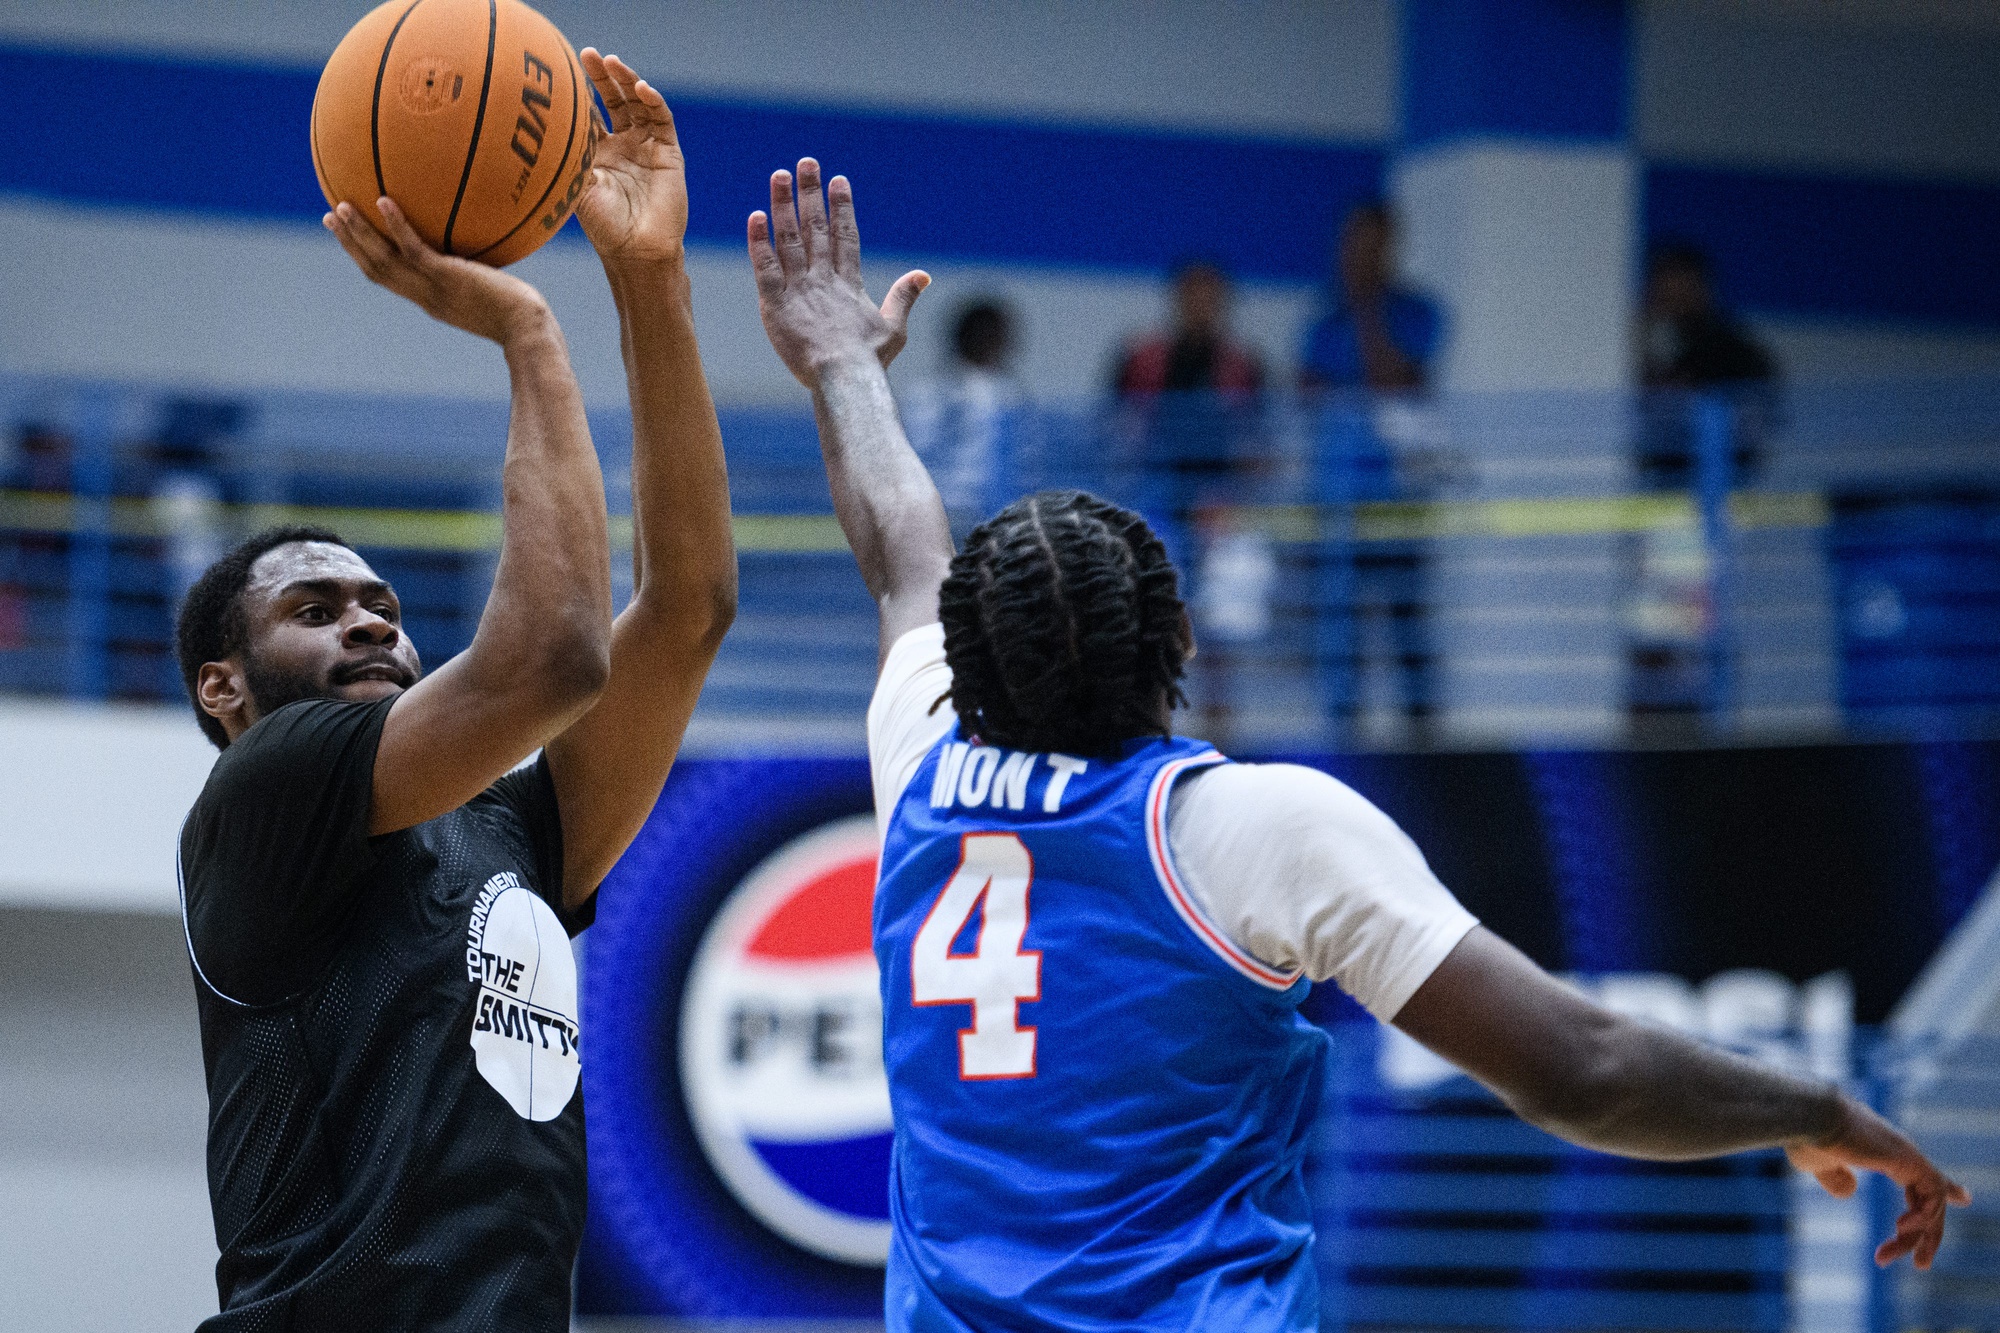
[1295, 867]
[1303, 872]
[902, 724]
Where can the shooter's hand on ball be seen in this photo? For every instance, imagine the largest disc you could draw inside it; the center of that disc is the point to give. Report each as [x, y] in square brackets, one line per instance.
[466, 295]
[636, 206]
[1866, 1141]
[809, 290]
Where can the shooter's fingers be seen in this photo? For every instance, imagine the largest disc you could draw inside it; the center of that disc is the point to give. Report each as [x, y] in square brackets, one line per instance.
[785, 223]
[643, 102]
[373, 265]
[763, 259]
[411, 247]
[366, 246]
[845, 232]
[607, 88]
[812, 211]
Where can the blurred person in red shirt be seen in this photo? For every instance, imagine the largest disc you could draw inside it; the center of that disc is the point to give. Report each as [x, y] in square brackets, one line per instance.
[1197, 353]
[1192, 394]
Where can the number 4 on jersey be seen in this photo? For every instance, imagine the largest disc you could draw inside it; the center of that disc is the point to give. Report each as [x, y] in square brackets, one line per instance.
[994, 868]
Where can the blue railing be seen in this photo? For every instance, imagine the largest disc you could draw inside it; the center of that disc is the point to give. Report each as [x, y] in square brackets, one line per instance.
[1362, 572]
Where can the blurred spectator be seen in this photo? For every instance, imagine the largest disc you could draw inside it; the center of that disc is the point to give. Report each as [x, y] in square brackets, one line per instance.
[1191, 397]
[34, 562]
[1689, 345]
[1197, 353]
[184, 460]
[1375, 334]
[41, 461]
[1372, 351]
[964, 423]
[1193, 389]
[1689, 341]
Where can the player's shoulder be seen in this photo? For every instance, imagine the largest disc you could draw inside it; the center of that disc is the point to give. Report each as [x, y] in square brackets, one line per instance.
[915, 651]
[294, 745]
[1269, 797]
[910, 690]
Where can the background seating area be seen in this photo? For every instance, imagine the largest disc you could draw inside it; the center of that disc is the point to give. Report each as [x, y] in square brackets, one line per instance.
[1452, 570]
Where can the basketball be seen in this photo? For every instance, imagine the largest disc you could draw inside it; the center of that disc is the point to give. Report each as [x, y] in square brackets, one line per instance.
[473, 115]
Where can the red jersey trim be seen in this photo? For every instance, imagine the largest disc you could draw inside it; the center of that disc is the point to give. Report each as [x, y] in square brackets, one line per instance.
[1190, 912]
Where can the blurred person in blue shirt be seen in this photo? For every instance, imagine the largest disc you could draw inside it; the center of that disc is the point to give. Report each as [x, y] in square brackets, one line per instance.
[1369, 355]
[1375, 334]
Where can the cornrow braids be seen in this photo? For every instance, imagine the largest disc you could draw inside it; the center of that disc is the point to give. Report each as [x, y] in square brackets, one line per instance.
[1063, 627]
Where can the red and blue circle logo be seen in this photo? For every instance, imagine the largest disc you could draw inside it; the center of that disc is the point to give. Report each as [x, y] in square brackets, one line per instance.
[781, 1046]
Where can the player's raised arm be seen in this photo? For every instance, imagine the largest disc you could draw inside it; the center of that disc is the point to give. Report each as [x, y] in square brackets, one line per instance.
[539, 656]
[839, 343]
[609, 766]
[1607, 1082]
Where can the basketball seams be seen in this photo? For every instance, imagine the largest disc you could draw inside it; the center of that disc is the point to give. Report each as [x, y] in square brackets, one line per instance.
[562, 167]
[370, 120]
[375, 106]
[478, 120]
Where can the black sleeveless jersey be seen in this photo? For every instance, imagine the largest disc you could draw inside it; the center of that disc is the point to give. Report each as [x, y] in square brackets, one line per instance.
[389, 1025]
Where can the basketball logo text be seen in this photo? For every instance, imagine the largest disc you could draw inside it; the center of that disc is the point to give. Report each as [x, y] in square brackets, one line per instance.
[532, 125]
[558, 215]
[524, 1029]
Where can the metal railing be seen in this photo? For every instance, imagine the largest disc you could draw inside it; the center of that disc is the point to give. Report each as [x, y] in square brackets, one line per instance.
[1454, 570]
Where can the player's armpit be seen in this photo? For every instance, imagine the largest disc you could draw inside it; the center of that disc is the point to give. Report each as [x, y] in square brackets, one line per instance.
[609, 766]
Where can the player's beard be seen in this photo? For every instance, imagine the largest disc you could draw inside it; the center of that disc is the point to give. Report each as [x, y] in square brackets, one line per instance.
[272, 687]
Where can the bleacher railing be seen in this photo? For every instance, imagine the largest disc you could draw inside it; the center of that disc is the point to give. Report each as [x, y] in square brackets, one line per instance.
[1459, 569]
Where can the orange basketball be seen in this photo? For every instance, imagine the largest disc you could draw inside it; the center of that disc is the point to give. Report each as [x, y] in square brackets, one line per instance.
[473, 115]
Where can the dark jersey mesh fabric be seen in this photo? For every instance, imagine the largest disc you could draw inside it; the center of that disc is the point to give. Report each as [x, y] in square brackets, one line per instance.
[389, 1028]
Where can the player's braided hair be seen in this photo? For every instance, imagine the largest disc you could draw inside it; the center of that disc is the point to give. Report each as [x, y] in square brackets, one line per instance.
[1063, 627]
[212, 624]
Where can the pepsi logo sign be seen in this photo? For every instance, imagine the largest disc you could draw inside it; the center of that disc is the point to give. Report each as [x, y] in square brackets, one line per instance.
[781, 1046]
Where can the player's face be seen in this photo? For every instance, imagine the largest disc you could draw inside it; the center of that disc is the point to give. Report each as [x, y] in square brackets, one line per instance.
[323, 626]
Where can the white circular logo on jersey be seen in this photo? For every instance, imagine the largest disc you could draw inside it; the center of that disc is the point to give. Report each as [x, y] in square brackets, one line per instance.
[524, 1026]
[781, 1046]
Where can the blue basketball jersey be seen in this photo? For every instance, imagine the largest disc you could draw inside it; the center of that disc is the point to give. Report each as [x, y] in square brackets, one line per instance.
[1101, 1104]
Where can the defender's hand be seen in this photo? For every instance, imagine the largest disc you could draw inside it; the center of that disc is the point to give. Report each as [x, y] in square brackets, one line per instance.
[464, 294]
[636, 207]
[809, 290]
[1866, 1141]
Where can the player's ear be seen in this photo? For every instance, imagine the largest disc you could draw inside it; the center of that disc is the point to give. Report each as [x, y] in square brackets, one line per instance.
[222, 692]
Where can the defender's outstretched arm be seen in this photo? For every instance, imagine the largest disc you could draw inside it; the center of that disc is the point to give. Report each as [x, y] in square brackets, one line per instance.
[839, 343]
[1595, 1078]
[538, 658]
[609, 766]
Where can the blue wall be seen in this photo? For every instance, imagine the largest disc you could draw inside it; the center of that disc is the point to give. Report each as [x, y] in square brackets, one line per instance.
[230, 139]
